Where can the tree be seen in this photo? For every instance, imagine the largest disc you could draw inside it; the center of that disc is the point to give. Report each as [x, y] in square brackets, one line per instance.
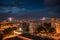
[25, 26]
[0, 24]
[8, 31]
[41, 28]
[47, 26]
[52, 30]
[14, 28]
[1, 36]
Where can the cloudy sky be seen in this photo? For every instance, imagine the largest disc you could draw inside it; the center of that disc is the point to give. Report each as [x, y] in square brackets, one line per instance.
[29, 8]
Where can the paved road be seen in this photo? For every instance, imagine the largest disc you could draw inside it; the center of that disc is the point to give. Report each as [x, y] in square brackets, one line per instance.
[24, 36]
[15, 36]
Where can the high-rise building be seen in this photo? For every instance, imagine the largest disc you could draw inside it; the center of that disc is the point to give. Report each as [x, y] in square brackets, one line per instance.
[33, 27]
[55, 22]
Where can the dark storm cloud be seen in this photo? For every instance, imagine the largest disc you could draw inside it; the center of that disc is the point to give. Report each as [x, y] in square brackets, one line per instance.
[51, 2]
[50, 8]
[19, 13]
[29, 2]
[10, 3]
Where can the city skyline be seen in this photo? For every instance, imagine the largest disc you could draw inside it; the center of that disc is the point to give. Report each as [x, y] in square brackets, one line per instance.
[29, 19]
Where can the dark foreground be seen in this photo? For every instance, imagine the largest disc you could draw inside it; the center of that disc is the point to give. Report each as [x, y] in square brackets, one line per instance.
[27, 36]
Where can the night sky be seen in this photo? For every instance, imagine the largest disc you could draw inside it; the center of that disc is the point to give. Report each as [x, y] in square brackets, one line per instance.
[29, 8]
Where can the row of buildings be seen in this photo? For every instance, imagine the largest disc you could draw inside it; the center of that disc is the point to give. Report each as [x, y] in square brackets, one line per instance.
[32, 24]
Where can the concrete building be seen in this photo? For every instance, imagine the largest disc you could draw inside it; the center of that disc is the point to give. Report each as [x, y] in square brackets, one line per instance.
[55, 22]
[33, 27]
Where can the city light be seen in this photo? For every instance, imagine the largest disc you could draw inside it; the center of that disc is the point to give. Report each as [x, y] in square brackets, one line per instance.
[43, 18]
[17, 32]
[35, 26]
[10, 19]
[20, 29]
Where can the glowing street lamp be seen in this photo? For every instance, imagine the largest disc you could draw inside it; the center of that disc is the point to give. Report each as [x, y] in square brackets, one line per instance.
[10, 19]
[43, 18]
[20, 29]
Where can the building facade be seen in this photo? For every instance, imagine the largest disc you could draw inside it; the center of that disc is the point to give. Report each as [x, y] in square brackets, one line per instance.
[55, 22]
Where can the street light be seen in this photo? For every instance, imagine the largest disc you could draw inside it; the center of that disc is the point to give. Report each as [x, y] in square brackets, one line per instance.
[10, 19]
[43, 18]
[20, 29]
